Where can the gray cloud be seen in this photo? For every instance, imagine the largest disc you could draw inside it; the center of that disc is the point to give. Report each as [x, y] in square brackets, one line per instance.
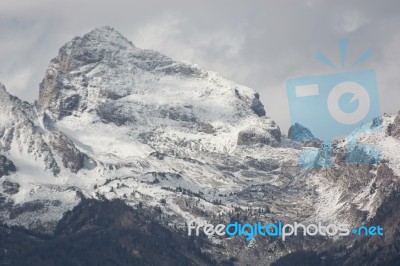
[256, 43]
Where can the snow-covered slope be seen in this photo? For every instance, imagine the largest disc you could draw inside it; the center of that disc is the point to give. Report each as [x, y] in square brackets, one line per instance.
[113, 120]
[37, 200]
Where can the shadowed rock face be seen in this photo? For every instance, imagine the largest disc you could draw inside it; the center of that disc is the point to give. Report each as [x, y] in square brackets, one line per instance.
[71, 157]
[257, 106]
[6, 166]
[251, 137]
[266, 133]
[10, 187]
[394, 128]
[299, 132]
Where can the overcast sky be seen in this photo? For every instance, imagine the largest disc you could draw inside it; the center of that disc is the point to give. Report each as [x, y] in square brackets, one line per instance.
[259, 44]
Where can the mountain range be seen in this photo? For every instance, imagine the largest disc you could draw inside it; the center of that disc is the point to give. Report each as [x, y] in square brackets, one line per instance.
[125, 145]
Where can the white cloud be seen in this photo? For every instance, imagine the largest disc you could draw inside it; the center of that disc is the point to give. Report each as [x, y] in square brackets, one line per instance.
[351, 21]
[169, 35]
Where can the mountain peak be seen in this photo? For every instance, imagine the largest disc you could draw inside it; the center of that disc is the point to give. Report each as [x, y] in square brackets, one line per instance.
[100, 44]
[299, 132]
[105, 29]
[3, 91]
[104, 66]
[2, 87]
[107, 34]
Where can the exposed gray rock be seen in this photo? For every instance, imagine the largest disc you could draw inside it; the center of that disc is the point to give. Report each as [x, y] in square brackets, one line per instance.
[363, 155]
[257, 106]
[6, 166]
[30, 206]
[298, 132]
[250, 137]
[113, 113]
[275, 131]
[268, 133]
[206, 128]
[262, 165]
[394, 128]
[181, 69]
[71, 157]
[10, 187]
[178, 114]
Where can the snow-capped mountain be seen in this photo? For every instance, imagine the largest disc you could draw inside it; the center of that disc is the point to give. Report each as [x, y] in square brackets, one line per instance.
[114, 121]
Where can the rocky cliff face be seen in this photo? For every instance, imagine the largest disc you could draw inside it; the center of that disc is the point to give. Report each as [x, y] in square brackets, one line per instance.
[394, 128]
[114, 121]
